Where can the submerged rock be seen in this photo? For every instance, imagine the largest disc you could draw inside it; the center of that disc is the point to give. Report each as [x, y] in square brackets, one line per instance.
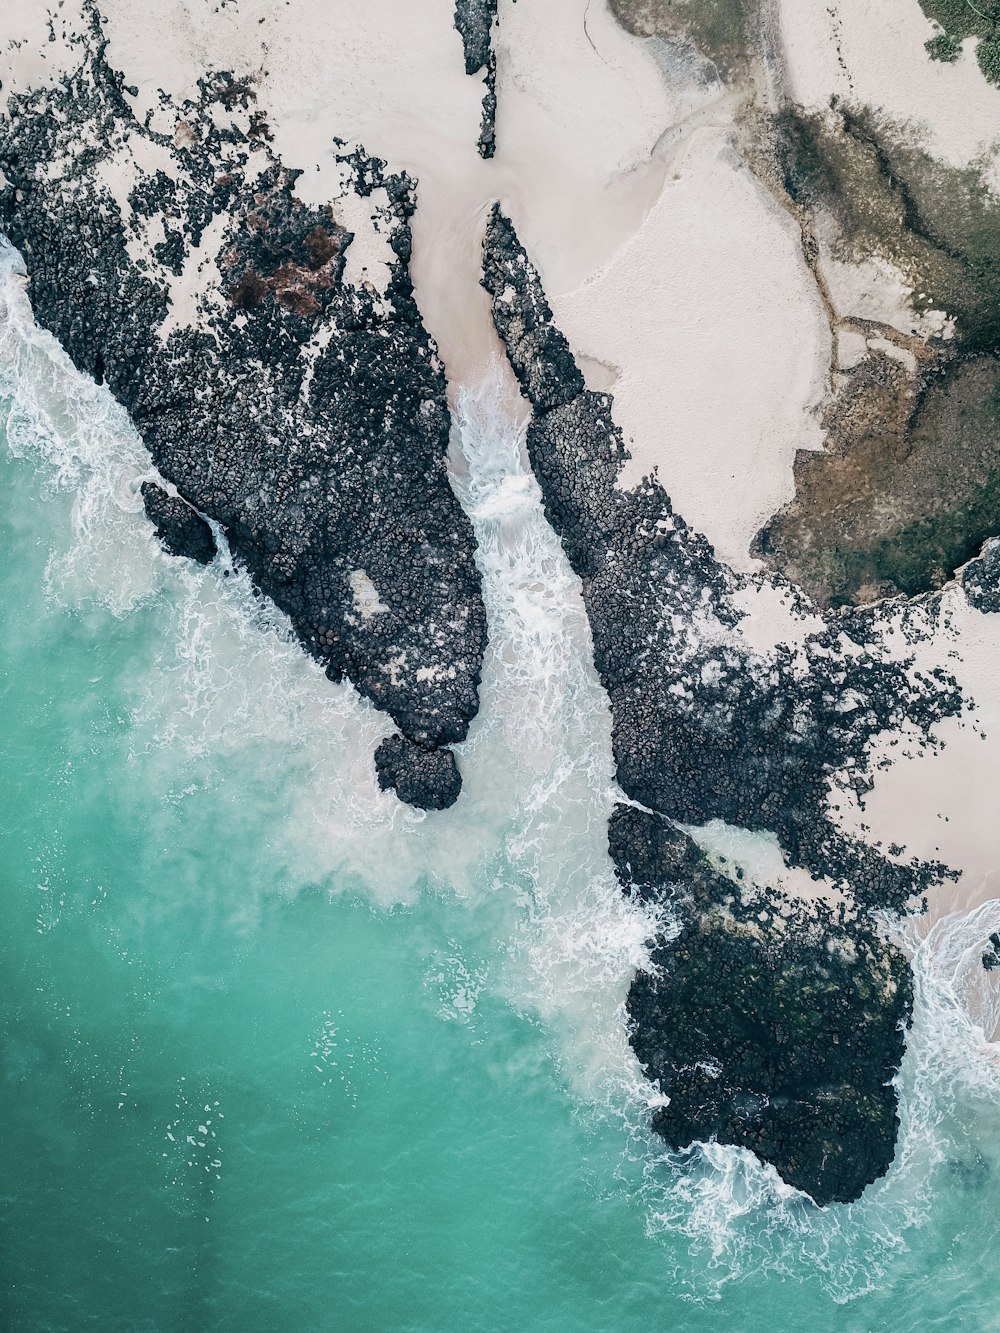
[300, 407]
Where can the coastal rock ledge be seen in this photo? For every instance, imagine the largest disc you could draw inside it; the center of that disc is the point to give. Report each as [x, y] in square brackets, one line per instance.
[771, 1021]
[274, 362]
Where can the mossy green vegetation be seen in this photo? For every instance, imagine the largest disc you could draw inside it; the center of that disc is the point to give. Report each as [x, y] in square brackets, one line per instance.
[939, 225]
[889, 510]
[960, 19]
[943, 47]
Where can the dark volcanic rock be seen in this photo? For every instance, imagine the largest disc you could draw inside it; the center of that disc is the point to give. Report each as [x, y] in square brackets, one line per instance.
[980, 578]
[181, 530]
[704, 727]
[476, 21]
[305, 413]
[707, 727]
[539, 353]
[782, 1041]
[428, 779]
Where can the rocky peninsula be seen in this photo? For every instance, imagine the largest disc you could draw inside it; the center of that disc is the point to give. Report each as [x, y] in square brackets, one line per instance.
[284, 392]
[807, 1000]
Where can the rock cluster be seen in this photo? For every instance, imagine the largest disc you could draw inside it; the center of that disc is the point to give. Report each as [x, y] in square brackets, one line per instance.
[706, 728]
[980, 578]
[476, 21]
[303, 412]
[428, 779]
[784, 1041]
[182, 531]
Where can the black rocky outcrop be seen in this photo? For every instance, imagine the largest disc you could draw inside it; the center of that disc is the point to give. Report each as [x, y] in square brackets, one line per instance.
[428, 779]
[769, 1024]
[476, 21]
[980, 579]
[705, 727]
[304, 413]
[182, 531]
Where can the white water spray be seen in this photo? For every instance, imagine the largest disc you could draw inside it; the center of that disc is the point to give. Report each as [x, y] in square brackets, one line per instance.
[223, 678]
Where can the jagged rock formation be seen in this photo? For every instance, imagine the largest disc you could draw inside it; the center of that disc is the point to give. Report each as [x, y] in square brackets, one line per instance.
[981, 579]
[782, 1040]
[182, 531]
[303, 410]
[476, 21]
[706, 727]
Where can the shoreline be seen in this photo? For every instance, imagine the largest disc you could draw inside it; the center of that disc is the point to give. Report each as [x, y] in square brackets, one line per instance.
[701, 348]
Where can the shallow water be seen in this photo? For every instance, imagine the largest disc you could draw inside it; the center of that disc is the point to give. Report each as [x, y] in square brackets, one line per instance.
[279, 1053]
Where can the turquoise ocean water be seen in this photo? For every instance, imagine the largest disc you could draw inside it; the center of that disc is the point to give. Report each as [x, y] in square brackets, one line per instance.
[280, 1054]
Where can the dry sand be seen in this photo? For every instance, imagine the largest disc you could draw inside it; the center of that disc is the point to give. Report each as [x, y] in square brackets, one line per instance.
[720, 342]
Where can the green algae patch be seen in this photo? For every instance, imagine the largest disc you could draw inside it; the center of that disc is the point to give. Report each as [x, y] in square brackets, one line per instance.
[908, 486]
[960, 19]
[897, 502]
[939, 225]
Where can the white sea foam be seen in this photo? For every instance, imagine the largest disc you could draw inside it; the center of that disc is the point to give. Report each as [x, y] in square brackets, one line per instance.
[89, 447]
[579, 942]
[223, 679]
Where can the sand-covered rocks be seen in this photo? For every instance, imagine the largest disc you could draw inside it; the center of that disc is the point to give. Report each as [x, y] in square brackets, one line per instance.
[539, 354]
[981, 578]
